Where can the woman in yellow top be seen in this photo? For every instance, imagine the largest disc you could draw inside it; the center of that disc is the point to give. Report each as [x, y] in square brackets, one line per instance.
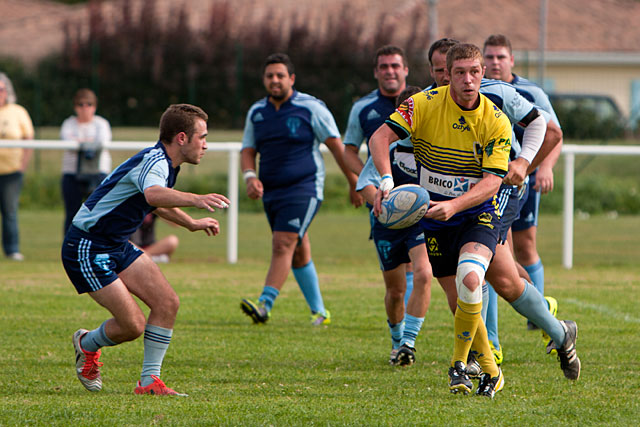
[15, 123]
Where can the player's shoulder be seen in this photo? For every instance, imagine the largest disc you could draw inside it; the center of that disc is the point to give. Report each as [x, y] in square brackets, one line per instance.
[369, 98]
[260, 103]
[310, 102]
[492, 113]
[366, 101]
[527, 85]
[496, 86]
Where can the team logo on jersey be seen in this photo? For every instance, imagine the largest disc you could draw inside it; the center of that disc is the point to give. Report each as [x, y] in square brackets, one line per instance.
[373, 114]
[429, 94]
[432, 245]
[462, 184]
[462, 125]
[406, 111]
[258, 117]
[294, 222]
[293, 123]
[496, 111]
[504, 144]
[384, 249]
[102, 261]
[485, 218]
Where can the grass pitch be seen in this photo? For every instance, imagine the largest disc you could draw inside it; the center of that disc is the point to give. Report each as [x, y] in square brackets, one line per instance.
[289, 373]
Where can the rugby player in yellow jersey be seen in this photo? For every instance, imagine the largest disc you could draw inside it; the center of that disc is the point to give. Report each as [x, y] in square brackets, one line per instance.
[461, 143]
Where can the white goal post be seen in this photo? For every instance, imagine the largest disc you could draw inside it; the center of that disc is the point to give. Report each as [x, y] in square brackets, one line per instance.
[569, 152]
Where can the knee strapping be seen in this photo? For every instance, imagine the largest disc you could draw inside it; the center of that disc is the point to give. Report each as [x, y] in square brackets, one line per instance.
[467, 263]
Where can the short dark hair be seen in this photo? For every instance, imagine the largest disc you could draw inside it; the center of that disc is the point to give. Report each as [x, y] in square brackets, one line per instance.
[180, 118]
[85, 94]
[279, 58]
[406, 93]
[443, 45]
[390, 50]
[499, 40]
[463, 51]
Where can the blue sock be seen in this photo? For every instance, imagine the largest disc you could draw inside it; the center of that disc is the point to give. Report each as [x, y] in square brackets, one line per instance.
[307, 279]
[534, 307]
[269, 295]
[485, 301]
[407, 294]
[396, 333]
[156, 343]
[412, 327]
[491, 321]
[96, 339]
[536, 272]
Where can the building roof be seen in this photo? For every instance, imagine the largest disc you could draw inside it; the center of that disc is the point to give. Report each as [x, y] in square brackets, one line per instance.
[32, 29]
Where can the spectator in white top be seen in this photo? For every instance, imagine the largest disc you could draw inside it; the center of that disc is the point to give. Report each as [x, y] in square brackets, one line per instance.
[83, 169]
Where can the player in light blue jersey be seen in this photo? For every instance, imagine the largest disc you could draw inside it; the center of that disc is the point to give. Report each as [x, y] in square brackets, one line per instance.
[100, 261]
[395, 249]
[499, 58]
[503, 272]
[286, 129]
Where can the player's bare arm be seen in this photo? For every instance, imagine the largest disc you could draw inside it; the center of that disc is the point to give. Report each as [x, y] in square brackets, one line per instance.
[337, 149]
[368, 193]
[255, 189]
[352, 159]
[379, 147]
[180, 217]
[486, 188]
[544, 178]
[163, 197]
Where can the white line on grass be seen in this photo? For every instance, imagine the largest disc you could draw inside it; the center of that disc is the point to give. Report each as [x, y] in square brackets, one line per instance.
[604, 310]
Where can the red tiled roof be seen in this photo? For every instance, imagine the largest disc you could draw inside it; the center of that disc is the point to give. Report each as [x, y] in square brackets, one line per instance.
[31, 29]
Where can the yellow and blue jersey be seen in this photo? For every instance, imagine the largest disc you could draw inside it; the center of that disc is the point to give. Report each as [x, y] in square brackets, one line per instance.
[453, 147]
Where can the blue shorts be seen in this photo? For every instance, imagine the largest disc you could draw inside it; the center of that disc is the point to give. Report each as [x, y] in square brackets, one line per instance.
[510, 201]
[292, 215]
[444, 245]
[92, 264]
[393, 246]
[529, 212]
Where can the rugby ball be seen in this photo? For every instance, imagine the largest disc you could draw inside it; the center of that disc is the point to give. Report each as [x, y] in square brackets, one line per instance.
[404, 206]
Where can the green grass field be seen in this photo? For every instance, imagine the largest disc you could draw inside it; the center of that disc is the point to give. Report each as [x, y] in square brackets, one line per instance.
[289, 373]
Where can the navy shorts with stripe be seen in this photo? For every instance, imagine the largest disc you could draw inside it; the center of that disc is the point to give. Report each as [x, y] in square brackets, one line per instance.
[292, 215]
[92, 264]
[393, 246]
[529, 211]
[444, 245]
[510, 200]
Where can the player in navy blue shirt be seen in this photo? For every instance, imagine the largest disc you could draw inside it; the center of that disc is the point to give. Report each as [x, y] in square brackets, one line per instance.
[286, 129]
[369, 112]
[100, 261]
[390, 69]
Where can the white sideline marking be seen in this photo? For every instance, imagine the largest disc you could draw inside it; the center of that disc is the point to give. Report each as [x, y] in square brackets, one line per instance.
[604, 310]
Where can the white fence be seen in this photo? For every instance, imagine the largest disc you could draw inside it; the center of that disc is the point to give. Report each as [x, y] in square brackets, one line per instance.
[233, 148]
